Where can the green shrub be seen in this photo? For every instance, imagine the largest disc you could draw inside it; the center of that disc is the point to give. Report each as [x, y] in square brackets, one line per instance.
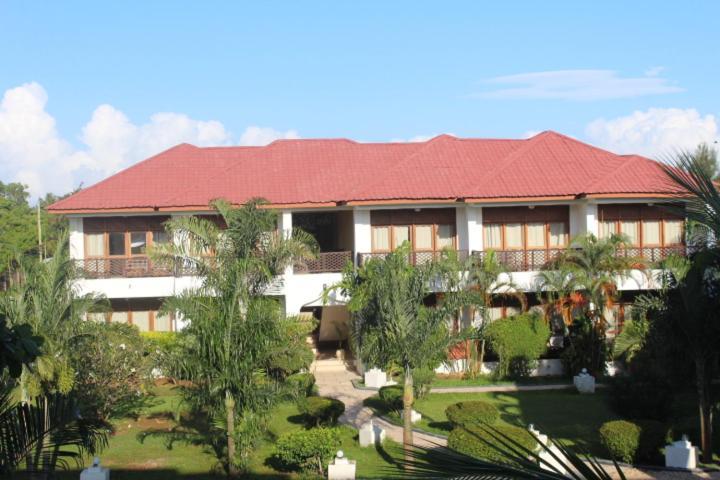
[163, 351]
[584, 349]
[308, 450]
[392, 396]
[322, 410]
[518, 342]
[469, 414]
[292, 353]
[481, 442]
[641, 396]
[633, 441]
[301, 384]
[422, 379]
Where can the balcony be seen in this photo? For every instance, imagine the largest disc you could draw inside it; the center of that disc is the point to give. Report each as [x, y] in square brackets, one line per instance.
[532, 260]
[123, 268]
[416, 257]
[326, 262]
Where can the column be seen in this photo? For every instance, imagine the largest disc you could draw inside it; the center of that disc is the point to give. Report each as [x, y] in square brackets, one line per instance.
[77, 238]
[474, 228]
[362, 232]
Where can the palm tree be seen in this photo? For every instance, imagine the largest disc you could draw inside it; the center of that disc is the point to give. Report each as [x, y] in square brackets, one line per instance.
[233, 326]
[487, 278]
[391, 322]
[556, 286]
[46, 299]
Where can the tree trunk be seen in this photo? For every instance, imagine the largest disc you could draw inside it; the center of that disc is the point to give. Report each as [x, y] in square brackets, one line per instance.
[230, 412]
[705, 408]
[407, 414]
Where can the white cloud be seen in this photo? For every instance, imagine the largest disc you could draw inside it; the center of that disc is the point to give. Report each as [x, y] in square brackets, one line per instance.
[258, 136]
[655, 132]
[577, 85]
[33, 152]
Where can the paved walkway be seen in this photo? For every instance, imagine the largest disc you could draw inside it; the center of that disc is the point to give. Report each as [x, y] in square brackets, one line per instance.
[338, 384]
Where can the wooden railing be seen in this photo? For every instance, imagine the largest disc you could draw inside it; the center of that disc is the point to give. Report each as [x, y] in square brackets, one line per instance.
[325, 262]
[524, 260]
[123, 267]
[416, 258]
[531, 260]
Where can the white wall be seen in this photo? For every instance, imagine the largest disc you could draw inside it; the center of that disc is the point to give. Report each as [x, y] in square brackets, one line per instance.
[307, 290]
[363, 231]
[77, 238]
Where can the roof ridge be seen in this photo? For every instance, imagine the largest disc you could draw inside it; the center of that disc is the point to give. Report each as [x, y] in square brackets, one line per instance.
[132, 167]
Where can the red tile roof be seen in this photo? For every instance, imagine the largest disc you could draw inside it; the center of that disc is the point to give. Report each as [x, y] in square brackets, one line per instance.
[329, 172]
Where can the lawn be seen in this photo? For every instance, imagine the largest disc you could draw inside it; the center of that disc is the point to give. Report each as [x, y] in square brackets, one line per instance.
[486, 380]
[131, 457]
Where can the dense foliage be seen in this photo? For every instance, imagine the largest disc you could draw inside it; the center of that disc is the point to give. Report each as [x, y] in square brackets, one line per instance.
[518, 341]
[632, 442]
[308, 450]
[322, 410]
[113, 369]
[301, 384]
[472, 414]
[392, 396]
[482, 443]
[642, 395]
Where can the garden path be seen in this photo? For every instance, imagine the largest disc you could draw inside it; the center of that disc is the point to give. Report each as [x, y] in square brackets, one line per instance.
[334, 380]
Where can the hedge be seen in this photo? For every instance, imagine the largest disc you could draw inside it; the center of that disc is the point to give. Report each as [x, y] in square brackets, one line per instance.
[322, 410]
[307, 449]
[632, 442]
[518, 341]
[482, 442]
[392, 396]
[301, 384]
[474, 413]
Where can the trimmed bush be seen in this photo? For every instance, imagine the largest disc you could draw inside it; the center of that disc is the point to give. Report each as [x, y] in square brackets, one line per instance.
[469, 414]
[322, 410]
[392, 396]
[308, 450]
[633, 441]
[518, 342]
[481, 442]
[301, 384]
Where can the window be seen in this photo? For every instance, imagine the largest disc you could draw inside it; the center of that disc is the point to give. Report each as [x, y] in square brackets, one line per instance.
[651, 232]
[423, 237]
[163, 323]
[493, 236]
[514, 236]
[138, 243]
[607, 228]
[630, 230]
[536, 235]
[381, 239]
[160, 237]
[673, 232]
[401, 234]
[116, 240]
[558, 234]
[445, 236]
[141, 319]
[95, 245]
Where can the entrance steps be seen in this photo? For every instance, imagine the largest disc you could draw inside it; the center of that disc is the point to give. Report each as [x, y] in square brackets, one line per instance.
[329, 365]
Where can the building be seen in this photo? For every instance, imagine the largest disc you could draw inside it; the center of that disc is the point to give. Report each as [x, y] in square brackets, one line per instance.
[524, 199]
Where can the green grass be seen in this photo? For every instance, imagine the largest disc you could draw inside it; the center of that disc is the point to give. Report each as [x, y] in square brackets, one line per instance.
[486, 380]
[129, 457]
[561, 414]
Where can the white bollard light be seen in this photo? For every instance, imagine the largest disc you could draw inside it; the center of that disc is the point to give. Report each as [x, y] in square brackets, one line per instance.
[370, 434]
[681, 454]
[341, 468]
[95, 472]
[375, 378]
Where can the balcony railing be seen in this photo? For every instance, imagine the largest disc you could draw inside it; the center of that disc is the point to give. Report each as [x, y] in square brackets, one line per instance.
[416, 258]
[524, 260]
[531, 260]
[123, 267]
[325, 262]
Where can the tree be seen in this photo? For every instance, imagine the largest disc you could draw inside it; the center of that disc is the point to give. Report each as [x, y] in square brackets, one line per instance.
[705, 158]
[393, 321]
[487, 278]
[592, 267]
[233, 327]
[47, 301]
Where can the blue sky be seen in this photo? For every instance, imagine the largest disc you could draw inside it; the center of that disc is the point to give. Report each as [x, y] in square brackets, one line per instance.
[630, 76]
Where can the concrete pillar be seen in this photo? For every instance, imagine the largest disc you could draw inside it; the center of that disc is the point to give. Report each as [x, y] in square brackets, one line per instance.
[461, 227]
[591, 219]
[77, 238]
[474, 228]
[285, 226]
[362, 231]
